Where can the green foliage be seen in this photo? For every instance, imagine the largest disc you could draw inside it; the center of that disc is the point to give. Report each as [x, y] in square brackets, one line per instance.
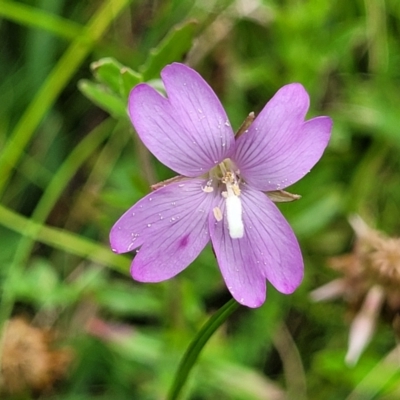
[174, 46]
[70, 165]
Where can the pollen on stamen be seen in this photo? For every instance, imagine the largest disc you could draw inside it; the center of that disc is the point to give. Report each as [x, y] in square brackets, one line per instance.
[217, 214]
[236, 190]
[208, 189]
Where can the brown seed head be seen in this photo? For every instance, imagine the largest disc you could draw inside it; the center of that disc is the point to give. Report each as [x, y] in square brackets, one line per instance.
[28, 362]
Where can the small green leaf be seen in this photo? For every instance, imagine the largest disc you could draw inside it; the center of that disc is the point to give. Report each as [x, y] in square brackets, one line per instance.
[172, 48]
[107, 71]
[128, 79]
[101, 95]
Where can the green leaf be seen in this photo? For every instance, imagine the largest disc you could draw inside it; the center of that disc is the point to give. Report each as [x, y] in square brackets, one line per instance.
[107, 71]
[101, 95]
[128, 79]
[119, 78]
[172, 48]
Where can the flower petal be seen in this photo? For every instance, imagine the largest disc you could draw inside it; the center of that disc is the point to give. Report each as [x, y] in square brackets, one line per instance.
[170, 251]
[159, 211]
[170, 224]
[268, 250]
[236, 261]
[279, 147]
[189, 131]
[276, 249]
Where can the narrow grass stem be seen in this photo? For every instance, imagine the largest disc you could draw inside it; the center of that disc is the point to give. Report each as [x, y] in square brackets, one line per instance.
[53, 85]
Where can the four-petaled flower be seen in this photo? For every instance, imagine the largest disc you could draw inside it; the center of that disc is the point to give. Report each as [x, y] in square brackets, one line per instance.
[221, 195]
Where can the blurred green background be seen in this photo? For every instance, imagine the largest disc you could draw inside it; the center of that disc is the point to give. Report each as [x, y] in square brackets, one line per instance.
[69, 168]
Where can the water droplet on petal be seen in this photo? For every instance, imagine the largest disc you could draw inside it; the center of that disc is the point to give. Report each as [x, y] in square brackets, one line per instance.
[148, 225]
[227, 123]
[181, 185]
[150, 198]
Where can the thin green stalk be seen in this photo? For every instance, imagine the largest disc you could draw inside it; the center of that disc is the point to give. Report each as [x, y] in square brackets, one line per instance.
[362, 185]
[54, 84]
[100, 172]
[64, 240]
[36, 18]
[196, 346]
[55, 188]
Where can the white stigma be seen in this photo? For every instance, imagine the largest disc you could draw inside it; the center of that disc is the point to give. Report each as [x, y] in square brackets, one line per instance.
[234, 214]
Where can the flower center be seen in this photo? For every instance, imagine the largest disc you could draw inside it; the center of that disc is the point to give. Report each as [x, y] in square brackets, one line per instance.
[226, 173]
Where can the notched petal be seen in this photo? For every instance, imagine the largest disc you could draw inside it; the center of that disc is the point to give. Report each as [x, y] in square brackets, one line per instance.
[280, 147]
[188, 130]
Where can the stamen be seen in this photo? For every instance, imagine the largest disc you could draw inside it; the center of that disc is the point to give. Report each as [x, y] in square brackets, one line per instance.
[217, 214]
[208, 188]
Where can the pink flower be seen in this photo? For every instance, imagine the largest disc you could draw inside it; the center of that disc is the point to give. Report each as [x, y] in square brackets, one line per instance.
[221, 197]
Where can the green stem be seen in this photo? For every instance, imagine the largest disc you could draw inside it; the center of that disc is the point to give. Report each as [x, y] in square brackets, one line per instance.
[195, 347]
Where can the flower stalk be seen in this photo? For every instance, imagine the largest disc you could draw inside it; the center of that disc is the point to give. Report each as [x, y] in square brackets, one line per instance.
[196, 346]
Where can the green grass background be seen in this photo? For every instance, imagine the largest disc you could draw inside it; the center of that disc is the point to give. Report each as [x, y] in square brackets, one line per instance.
[69, 168]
